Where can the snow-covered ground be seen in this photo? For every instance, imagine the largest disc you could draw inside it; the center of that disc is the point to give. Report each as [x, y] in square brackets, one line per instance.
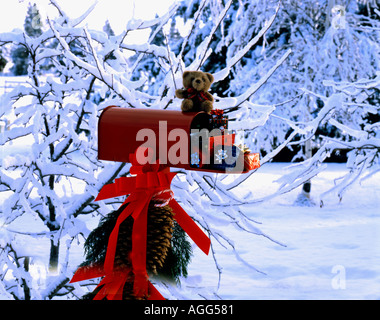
[331, 252]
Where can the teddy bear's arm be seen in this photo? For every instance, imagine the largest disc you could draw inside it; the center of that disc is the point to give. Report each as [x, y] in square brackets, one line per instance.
[180, 93]
[209, 96]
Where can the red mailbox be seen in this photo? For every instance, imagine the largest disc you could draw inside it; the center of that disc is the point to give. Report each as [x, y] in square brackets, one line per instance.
[172, 138]
[193, 141]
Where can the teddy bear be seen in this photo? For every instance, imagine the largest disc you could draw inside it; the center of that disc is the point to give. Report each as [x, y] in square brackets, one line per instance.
[196, 96]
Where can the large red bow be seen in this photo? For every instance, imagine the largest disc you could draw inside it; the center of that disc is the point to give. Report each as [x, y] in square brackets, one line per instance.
[141, 189]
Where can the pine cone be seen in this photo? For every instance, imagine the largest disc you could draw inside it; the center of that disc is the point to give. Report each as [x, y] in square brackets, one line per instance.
[159, 234]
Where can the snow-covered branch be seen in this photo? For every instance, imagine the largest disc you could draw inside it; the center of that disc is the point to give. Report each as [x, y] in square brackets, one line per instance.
[222, 74]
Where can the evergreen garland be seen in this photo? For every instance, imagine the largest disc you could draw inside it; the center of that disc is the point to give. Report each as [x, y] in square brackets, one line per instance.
[168, 249]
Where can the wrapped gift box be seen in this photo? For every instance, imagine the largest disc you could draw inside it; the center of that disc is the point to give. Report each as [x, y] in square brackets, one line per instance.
[224, 157]
[218, 120]
[251, 161]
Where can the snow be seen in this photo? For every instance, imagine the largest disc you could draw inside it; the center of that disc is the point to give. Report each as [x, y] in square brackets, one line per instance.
[324, 253]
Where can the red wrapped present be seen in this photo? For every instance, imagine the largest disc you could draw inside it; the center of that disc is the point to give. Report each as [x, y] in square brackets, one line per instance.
[251, 161]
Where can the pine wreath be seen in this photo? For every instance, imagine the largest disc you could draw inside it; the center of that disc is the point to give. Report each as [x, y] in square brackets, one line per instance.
[168, 249]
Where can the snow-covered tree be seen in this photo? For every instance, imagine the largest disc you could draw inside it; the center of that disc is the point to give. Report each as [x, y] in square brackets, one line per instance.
[3, 61]
[333, 93]
[56, 179]
[33, 22]
[330, 40]
[351, 111]
[20, 54]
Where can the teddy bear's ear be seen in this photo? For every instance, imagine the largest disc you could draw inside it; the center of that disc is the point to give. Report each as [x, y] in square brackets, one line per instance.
[185, 74]
[210, 77]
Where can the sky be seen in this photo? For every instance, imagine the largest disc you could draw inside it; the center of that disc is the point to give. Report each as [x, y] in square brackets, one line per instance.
[118, 12]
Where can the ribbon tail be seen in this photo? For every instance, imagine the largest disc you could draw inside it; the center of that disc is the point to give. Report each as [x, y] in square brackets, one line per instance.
[121, 187]
[112, 286]
[138, 255]
[102, 292]
[87, 272]
[190, 227]
[154, 294]
[116, 288]
[108, 191]
[112, 240]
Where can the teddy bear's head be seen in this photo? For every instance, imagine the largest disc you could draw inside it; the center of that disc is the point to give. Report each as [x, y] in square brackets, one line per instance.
[200, 81]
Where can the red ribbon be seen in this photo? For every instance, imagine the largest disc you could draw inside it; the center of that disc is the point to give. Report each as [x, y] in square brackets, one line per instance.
[141, 189]
[193, 93]
[112, 285]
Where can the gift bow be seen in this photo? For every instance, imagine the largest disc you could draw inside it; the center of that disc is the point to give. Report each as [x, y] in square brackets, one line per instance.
[217, 112]
[141, 189]
[244, 148]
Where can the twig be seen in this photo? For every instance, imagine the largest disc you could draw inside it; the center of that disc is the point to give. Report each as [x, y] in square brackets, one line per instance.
[209, 37]
[197, 15]
[169, 59]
